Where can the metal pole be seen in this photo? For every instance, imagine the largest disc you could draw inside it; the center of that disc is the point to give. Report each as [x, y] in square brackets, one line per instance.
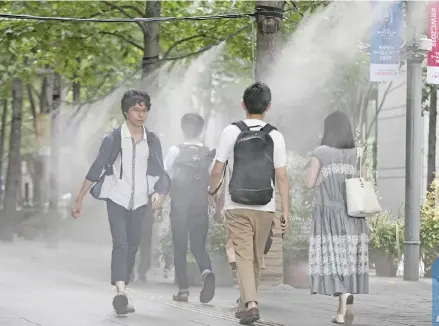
[414, 131]
[413, 167]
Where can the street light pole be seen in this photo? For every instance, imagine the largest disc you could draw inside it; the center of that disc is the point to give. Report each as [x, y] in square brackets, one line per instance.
[413, 166]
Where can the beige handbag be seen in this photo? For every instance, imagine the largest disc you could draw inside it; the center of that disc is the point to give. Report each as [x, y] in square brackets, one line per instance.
[361, 197]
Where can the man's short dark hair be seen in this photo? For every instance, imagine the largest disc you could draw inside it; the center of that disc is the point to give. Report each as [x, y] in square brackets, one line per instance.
[257, 98]
[192, 125]
[133, 97]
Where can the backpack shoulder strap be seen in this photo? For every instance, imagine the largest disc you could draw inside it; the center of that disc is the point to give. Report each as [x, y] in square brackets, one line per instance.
[116, 138]
[183, 147]
[241, 125]
[207, 152]
[150, 136]
[153, 144]
[268, 128]
[212, 152]
[155, 151]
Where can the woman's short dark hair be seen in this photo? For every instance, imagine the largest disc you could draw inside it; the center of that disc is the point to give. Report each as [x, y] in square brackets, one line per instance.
[338, 131]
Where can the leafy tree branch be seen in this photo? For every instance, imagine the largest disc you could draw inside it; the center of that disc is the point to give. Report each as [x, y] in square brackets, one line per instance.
[125, 39]
[124, 12]
[209, 46]
[183, 40]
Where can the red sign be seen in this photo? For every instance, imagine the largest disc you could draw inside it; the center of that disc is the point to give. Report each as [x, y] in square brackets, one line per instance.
[433, 55]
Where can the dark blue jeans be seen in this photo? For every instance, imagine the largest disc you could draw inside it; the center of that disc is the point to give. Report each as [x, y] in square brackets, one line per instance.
[126, 231]
[191, 223]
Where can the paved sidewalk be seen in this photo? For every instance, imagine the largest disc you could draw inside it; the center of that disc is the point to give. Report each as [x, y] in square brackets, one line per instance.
[47, 297]
[70, 282]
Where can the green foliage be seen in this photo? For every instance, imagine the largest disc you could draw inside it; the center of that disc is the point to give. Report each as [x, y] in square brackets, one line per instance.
[301, 198]
[217, 239]
[426, 89]
[216, 242]
[387, 233]
[430, 227]
[110, 52]
[36, 45]
[114, 49]
[196, 35]
[296, 240]
[386, 237]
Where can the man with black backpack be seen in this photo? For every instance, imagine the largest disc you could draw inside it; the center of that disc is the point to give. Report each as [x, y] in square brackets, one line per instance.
[129, 155]
[188, 164]
[254, 154]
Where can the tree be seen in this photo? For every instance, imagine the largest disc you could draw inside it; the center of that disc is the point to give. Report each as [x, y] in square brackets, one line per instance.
[2, 136]
[105, 59]
[268, 28]
[151, 38]
[14, 162]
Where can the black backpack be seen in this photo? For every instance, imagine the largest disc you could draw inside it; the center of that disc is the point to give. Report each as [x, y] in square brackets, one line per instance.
[191, 170]
[253, 167]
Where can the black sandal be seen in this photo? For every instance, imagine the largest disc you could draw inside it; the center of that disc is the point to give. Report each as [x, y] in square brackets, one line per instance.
[181, 297]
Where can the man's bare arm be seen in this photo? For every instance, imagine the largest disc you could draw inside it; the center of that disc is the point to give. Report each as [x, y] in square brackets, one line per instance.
[283, 186]
[216, 175]
[86, 185]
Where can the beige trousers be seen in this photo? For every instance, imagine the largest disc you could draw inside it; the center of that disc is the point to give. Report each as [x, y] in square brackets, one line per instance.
[230, 251]
[248, 231]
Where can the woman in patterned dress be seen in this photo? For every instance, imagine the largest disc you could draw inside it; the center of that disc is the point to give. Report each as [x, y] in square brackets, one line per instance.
[338, 248]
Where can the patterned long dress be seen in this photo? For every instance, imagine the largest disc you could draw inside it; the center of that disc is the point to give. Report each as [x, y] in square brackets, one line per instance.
[338, 248]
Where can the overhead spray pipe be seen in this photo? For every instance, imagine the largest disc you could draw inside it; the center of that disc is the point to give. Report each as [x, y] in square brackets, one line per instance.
[123, 20]
[259, 10]
[268, 11]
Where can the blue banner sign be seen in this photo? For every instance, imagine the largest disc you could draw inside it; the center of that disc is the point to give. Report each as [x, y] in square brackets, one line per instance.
[387, 39]
[435, 293]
